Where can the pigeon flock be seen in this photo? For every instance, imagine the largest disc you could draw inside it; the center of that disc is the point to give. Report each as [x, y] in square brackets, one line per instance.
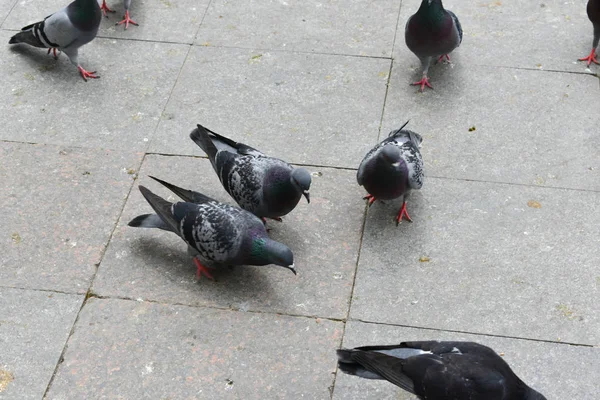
[264, 187]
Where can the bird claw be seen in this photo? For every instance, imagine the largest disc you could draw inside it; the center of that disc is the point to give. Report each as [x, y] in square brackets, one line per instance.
[202, 270]
[591, 58]
[53, 49]
[86, 74]
[441, 58]
[423, 82]
[371, 199]
[105, 8]
[402, 213]
[126, 20]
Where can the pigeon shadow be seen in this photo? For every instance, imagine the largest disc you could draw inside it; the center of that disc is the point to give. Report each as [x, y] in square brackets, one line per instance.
[37, 58]
[231, 285]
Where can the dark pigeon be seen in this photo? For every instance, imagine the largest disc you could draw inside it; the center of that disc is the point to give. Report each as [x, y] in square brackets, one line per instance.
[392, 168]
[439, 370]
[66, 30]
[126, 19]
[432, 32]
[593, 12]
[265, 186]
[218, 233]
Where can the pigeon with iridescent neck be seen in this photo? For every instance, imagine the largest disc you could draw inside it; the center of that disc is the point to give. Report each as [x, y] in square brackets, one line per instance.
[267, 187]
[393, 168]
[216, 232]
[66, 30]
[432, 32]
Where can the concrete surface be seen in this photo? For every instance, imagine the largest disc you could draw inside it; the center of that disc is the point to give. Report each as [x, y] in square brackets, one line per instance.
[503, 249]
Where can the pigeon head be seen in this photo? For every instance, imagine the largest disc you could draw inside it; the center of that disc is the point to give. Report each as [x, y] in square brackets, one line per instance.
[386, 175]
[268, 251]
[301, 179]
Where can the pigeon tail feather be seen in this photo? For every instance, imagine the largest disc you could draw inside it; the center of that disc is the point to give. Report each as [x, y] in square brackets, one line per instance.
[202, 138]
[187, 195]
[161, 207]
[149, 221]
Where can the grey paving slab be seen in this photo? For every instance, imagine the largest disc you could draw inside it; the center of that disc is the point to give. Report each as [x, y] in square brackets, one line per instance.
[34, 327]
[342, 27]
[58, 206]
[304, 108]
[485, 258]
[45, 100]
[5, 7]
[165, 20]
[531, 127]
[559, 371]
[548, 35]
[126, 349]
[324, 236]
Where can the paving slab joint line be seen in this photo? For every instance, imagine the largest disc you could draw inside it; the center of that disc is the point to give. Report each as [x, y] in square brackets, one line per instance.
[213, 307]
[428, 328]
[42, 290]
[8, 13]
[537, 69]
[362, 235]
[387, 89]
[202, 21]
[397, 23]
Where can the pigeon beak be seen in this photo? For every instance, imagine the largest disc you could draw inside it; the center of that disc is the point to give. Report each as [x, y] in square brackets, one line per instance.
[292, 268]
[307, 195]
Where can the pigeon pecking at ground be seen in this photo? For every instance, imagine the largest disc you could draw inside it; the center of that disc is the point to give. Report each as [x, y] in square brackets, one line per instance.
[439, 370]
[432, 32]
[66, 30]
[593, 12]
[219, 233]
[392, 168]
[267, 187]
[126, 19]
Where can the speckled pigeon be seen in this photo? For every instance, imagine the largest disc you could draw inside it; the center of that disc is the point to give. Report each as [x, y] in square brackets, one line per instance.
[439, 370]
[392, 168]
[126, 19]
[67, 30]
[218, 232]
[593, 12]
[432, 32]
[265, 186]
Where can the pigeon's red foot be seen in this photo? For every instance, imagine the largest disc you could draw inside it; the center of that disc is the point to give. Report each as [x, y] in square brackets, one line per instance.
[53, 49]
[86, 74]
[371, 199]
[403, 213]
[202, 270]
[591, 58]
[423, 82]
[442, 58]
[127, 20]
[105, 8]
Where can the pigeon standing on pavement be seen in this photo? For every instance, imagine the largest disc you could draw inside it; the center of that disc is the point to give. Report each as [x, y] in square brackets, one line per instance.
[218, 232]
[126, 19]
[267, 187]
[392, 168]
[593, 12]
[66, 30]
[439, 370]
[432, 32]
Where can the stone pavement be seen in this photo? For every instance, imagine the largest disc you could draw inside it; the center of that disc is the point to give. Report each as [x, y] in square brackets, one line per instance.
[504, 248]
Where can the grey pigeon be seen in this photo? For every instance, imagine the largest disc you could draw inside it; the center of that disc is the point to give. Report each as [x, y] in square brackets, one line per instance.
[392, 168]
[67, 30]
[439, 370]
[218, 233]
[126, 19]
[432, 32]
[265, 186]
[593, 12]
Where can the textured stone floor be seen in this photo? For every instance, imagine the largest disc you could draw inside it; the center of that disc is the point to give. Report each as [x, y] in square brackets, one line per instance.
[504, 248]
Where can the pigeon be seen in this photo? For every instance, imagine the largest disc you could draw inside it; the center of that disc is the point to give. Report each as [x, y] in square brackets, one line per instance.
[392, 168]
[217, 233]
[432, 32]
[593, 12]
[67, 30]
[439, 370]
[126, 19]
[267, 187]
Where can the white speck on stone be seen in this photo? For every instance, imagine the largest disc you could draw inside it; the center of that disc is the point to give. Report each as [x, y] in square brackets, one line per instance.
[148, 369]
[139, 299]
[414, 302]
[145, 139]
